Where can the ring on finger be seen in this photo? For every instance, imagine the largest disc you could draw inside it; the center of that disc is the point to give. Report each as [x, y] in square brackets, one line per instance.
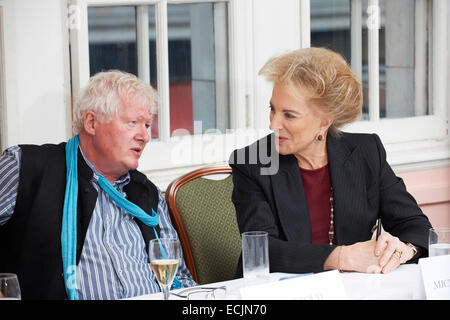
[399, 254]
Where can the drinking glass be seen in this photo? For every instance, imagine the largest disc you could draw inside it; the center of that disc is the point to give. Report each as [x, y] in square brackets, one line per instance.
[439, 242]
[255, 256]
[165, 255]
[9, 287]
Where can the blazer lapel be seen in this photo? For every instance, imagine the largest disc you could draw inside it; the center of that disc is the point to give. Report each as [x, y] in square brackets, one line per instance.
[347, 180]
[290, 200]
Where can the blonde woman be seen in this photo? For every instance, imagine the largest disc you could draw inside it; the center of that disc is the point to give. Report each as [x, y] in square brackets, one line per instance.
[331, 187]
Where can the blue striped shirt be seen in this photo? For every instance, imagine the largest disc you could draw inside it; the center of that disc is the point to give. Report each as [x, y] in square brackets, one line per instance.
[113, 263]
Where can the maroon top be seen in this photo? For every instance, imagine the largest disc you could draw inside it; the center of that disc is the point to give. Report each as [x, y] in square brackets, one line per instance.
[317, 187]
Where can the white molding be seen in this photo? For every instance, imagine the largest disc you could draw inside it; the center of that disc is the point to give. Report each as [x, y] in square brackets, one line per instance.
[403, 157]
[440, 63]
[103, 3]
[420, 57]
[250, 69]
[305, 24]
[79, 42]
[162, 178]
[191, 150]
[373, 24]
[356, 37]
[196, 1]
[419, 155]
[67, 86]
[237, 19]
[162, 65]
[422, 165]
[142, 43]
[401, 130]
[3, 122]
[221, 65]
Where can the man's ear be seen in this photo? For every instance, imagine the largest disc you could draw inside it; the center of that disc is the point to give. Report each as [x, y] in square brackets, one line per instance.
[89, 122]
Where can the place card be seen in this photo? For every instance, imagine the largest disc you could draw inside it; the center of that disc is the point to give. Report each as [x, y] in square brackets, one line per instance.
[434, 282]
[320, 286]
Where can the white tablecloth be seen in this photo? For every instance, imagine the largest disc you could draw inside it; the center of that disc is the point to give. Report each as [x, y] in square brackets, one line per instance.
[397, 285]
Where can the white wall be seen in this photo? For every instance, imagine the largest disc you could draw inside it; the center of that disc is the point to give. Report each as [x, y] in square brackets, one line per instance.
[276, 30]
[37, 88]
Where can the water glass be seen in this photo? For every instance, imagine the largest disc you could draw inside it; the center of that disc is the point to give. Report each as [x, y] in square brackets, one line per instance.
[255, 257]
[9, 287]
[439, 242]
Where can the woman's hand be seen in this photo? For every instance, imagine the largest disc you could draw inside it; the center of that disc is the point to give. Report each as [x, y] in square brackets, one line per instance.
[373, 256]
[359, 257]
[391, 252]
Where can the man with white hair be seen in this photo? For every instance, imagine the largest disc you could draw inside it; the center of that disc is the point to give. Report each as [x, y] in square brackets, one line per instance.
[76, 218]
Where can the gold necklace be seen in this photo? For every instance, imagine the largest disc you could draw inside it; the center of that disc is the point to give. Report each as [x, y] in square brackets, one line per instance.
[331, 231]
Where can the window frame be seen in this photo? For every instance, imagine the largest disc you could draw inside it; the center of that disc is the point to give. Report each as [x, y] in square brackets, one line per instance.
[408, 146]
[3, 122]
[161, 159]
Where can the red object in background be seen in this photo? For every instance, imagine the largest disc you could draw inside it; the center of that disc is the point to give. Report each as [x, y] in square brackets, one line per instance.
[181, 111]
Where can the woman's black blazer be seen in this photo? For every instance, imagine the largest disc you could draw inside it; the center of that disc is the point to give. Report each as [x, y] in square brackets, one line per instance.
[268, 195]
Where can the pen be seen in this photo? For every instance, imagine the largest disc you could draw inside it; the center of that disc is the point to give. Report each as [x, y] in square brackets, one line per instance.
[378, 227]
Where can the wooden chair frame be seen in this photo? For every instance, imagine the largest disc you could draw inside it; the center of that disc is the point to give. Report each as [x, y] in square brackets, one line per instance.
[175, 216]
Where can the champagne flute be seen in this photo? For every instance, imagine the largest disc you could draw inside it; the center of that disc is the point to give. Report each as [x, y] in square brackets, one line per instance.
[9, 287]
[165, 255]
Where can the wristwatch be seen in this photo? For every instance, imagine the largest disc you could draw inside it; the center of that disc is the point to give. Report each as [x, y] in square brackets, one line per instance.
[415, 249]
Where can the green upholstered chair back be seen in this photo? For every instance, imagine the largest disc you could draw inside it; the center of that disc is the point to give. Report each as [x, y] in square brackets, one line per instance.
[204, 216]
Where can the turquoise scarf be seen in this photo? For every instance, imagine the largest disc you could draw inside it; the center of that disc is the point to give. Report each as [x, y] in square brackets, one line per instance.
[69, 223]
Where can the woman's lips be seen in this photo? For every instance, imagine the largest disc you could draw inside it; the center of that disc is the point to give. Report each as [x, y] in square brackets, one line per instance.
[281, 139]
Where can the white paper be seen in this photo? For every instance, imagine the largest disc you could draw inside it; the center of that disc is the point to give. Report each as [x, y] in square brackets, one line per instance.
[419, 290]
[435, 272]
[321, 286]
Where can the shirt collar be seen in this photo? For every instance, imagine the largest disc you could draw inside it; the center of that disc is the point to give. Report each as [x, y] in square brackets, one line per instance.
[122, 181]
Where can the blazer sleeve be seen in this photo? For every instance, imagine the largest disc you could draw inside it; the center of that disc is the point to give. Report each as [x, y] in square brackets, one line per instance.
[255, 211]
[401, 216]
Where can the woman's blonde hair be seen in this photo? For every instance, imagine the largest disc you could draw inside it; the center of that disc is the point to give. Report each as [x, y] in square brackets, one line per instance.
[105, 93]
[331, 84]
